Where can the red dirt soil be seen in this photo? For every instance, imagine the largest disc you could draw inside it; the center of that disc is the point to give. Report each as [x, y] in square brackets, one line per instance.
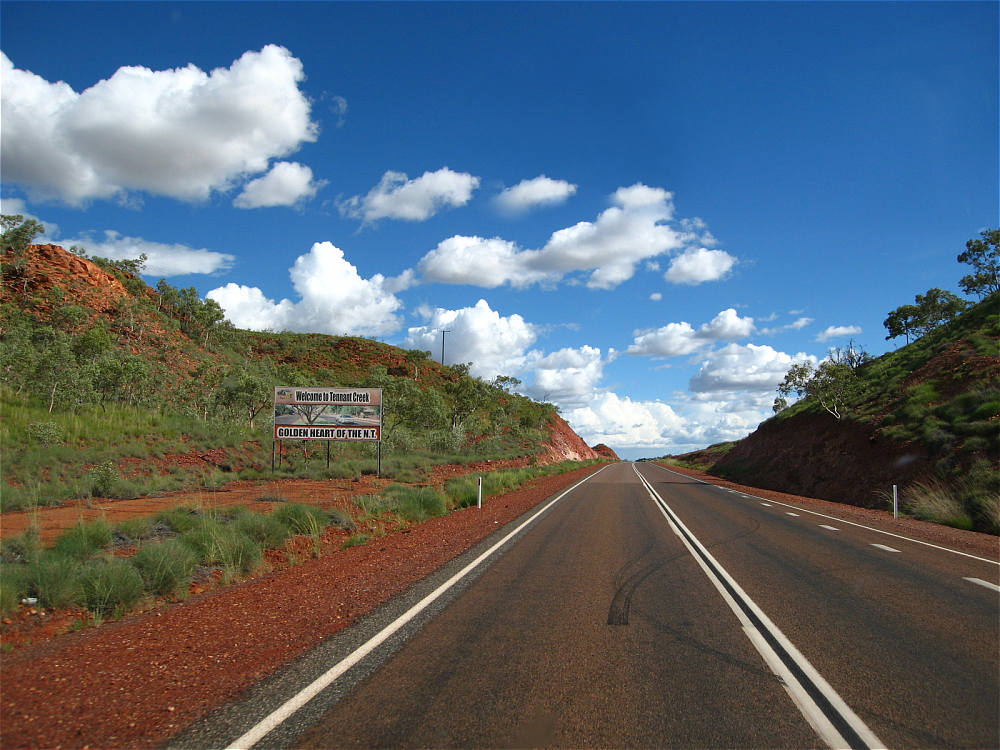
[136, 682]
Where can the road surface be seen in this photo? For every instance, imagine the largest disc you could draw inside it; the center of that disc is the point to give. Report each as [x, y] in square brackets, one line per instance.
[647, 609]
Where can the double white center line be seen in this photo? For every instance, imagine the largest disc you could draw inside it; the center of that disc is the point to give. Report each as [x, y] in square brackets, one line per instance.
[833, 720]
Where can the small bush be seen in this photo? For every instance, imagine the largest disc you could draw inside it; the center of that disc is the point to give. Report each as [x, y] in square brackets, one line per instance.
[933, 500]
[265, 530]
[103, 478]
[164, 566]
[216, 544]
[13, 586]
[46, 433]
[341, 519]
[372, 506]
[111, 586]
[299, 518]
[84, 539]
[22, 548]
[181, 519]
[55, 579]
[416, 503]
[135, 528]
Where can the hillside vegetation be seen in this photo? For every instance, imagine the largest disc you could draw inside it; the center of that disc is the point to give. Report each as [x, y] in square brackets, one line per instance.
[925, 417]
[110, 387]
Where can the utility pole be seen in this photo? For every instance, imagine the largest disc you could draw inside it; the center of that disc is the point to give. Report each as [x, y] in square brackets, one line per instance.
[443, 332]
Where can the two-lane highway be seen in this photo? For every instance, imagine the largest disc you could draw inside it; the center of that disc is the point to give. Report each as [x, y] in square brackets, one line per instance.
[607, 623]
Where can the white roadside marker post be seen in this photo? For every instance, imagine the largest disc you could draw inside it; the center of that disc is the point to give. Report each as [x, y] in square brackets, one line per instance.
[479, 498]
[895, 502]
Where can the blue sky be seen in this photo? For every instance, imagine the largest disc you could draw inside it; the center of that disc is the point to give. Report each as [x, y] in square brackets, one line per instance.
[646, 212]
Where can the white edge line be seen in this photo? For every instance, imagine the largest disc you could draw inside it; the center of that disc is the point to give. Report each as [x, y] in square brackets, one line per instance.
[981, 582]
[841, 520]
[293, 704]
[812, 713]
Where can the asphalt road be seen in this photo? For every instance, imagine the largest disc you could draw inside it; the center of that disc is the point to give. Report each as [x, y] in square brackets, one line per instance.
[698, 618]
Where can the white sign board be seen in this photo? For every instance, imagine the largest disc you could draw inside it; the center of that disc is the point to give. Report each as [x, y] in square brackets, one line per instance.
[327, 413]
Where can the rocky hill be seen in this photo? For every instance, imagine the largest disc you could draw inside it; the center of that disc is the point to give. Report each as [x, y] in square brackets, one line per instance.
[927, 419]
[155, 386]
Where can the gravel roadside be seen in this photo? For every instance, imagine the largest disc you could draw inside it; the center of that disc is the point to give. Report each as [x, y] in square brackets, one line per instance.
[137, 682]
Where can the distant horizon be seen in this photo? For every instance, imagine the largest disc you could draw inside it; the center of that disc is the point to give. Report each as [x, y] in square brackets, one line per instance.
[645, 212]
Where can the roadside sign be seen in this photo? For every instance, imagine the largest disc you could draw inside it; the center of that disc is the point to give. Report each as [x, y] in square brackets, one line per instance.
[327, 413]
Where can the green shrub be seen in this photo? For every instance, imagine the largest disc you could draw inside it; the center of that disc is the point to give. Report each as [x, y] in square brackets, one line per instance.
[416, 504]
[299, 518]
[84, 539]
[463, 491]
[164, 566]
[341, 519]
[935, 501]
[181, 519]
[55, 579]
[103, 478]
[111, 586]
[46, 433]
[22, 548]
[216, 544]
[372, 506]
[135, 528]
[13, 586]
[265, 530]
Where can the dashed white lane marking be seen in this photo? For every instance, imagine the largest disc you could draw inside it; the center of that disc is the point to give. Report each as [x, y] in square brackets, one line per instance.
[828, 528]
[787, 513]
[981, 582]
[766, 505]
[887, 549]
[850, 523]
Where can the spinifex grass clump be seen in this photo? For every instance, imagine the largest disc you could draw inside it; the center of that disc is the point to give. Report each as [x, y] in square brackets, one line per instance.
[299, 518]
[415, 504]
[84, 539]
[215, 543]
[934, 501]
[180, 519]
[267, 531]
[56, 580]
[304, 520]
[165, 566]
[13, 586]
[111, 586]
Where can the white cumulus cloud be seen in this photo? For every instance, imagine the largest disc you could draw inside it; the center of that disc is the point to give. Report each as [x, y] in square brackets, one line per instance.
[474, 260]
[540, 191]
[181, 132]
[619, 421]
[493, 343]
[398, 197]
[286, 184]
[568, 377]
[679, 339]
[833, 332]
[609, 248]
[749, 367]
[795, 325]
[162, 259]
[698, 265]
[333, 298]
